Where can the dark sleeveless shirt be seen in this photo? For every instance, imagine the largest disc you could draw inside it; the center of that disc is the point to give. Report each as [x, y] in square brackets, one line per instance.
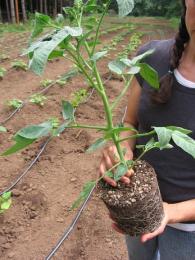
[175, 169]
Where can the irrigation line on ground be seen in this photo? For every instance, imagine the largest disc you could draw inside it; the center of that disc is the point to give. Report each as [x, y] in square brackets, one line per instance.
[28, 168]
[17, 110]
[70, 228]
[76, 218]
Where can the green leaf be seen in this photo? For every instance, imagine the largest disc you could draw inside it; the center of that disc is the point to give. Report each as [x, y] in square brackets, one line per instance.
[164, 135]
[35, 131]
[84, 194]
[125, 7]
[185, 142]
[117, 67]
[98, 144]
[133, 70]
[3, 129]
[138, 58]
[98, 55]
[150, 75]
[69, 74]
[60, 129]
[6, 195]
[5, 205]
[41, 21]
[179, 129]
[67, 110]
[21, 143]
[43, 51]
[55, 54]
[120, 171]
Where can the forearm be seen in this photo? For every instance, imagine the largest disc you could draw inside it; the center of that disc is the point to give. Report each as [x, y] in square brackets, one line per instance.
[182, 211]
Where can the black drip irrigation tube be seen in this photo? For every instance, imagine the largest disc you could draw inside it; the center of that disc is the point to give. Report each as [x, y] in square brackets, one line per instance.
[70, 228]
[43, 146]
[71, 74]
[76, 218]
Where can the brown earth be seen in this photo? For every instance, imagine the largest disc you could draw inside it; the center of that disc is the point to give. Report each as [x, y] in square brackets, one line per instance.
[39, 213]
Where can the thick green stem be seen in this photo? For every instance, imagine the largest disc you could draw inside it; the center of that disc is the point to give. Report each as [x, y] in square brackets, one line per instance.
[137, 135]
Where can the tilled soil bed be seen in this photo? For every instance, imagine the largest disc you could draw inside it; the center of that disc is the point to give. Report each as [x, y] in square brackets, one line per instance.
[40, 212]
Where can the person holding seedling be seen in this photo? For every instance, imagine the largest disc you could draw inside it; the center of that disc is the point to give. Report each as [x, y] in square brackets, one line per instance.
[173, 104]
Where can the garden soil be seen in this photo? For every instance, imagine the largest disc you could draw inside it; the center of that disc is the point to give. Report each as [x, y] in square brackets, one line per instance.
[40, 214]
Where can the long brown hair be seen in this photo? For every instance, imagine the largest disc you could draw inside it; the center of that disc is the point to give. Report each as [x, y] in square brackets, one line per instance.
[166, 82]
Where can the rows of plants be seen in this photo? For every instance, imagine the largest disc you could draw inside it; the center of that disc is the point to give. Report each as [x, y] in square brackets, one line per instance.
[73, 41]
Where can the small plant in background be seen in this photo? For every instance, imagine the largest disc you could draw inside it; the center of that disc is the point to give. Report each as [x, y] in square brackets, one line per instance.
[14, 103]
[19, 65]
[46, 82]
[78, 97]
[5, 202]
[3, 57]
[38, 99]
[3, 129]
[61, 82]
[2, 72]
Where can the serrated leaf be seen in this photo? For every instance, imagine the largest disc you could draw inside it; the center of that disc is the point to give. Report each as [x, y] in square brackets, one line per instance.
[35, 131]
[185, 142]
[87, 188]
[98, 55]
[149, 75]
[67, 110]
[42, 52]
[21, 143]
[117, 67]
[164, 135]
[125, 7]
[120, 171]
[98, 144]
[3, 129]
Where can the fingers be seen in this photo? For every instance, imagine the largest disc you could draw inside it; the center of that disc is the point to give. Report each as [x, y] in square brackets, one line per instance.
[110, 159]
[103, 170]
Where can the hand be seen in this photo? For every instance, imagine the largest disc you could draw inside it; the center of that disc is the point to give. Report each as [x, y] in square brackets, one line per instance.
[109, 159]
[168, 218]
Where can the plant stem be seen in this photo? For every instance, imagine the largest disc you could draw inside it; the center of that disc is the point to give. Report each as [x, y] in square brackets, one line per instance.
[137, 135]
[122, 93]
[100, 128]
[98, 27]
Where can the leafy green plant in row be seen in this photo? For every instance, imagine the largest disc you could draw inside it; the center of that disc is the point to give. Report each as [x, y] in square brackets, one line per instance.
[71, 39]
[2, 72]
[5, 202]
[46, 82]
[19, 65]
[3, 129]
[14, 103]
[78, 97]
[38, 99]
